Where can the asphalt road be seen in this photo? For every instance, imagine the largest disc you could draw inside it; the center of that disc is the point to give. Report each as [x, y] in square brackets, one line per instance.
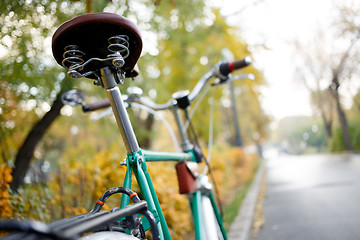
[312, 197]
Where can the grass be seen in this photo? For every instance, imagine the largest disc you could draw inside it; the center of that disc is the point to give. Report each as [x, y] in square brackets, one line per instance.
[231, 210]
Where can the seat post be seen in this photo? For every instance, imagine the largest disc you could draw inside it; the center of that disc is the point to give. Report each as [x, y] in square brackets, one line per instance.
[119, 109]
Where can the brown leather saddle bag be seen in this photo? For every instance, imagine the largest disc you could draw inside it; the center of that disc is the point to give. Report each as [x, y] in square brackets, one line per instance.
[187, 173]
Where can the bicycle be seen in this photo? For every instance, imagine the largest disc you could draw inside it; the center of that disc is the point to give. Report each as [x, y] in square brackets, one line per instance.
[108, 63]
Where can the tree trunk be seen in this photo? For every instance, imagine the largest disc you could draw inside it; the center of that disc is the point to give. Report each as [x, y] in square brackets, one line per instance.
[238, 138]
[334, 89]
[327, 124]
[26, 151]
[343, 123]
[149, 122]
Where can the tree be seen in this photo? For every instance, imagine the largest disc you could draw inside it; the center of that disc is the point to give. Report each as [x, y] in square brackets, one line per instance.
[348, 62]
[185, 55]
[329, 62]
[322, 102]
[301, 134]
[356, 103]
[27, 66]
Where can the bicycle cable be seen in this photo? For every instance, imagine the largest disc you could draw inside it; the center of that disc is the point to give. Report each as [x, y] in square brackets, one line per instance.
[192, 133]
[193, 110]
[211, 130]
[210, 144]
[163, 120]
[207, 159]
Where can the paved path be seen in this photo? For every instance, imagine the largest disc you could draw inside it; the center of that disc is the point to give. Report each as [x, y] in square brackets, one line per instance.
[312, 197]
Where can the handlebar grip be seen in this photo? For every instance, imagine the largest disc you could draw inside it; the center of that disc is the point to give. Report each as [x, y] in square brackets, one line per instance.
[96, 105]
[227, 67]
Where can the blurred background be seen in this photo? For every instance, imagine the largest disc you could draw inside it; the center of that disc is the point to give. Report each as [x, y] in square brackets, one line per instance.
[304, 98]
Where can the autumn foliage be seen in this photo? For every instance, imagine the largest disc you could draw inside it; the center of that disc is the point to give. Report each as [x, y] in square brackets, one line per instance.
[5, 179]
[74, 188]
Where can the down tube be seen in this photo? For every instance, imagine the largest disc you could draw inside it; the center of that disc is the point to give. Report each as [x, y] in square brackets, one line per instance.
[156, 202]
[146, 192]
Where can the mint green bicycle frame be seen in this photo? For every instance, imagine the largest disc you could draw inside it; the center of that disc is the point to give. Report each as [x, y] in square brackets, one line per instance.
[136, 165]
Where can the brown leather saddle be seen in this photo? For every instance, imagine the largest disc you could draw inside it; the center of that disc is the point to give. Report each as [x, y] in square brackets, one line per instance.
[90, 33]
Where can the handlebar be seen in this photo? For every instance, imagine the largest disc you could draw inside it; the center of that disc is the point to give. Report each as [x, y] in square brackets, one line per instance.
[96, 105]
[147, 102]
[128, 99]
[228, 67]
[221, 71]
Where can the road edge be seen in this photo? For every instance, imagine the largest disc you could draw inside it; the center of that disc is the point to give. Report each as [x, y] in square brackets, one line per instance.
[240, 229]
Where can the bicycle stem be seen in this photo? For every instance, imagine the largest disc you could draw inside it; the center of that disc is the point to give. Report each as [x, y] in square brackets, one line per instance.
[185, 142]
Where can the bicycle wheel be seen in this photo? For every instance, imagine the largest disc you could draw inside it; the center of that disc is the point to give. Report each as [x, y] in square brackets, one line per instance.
[210, 223]
[107, 235]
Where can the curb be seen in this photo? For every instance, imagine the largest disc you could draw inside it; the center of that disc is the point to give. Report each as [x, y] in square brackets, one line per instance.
[240, 229]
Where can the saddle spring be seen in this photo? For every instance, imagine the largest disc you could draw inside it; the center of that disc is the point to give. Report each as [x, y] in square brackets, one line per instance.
[119, 46]
[74, 61]
[72, 56]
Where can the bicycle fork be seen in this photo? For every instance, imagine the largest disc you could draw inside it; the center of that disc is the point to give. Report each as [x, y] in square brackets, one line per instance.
[207, 219]
[213, 222]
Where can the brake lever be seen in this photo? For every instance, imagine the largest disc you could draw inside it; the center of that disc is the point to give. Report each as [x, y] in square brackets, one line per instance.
[233, 78]
[242, 76]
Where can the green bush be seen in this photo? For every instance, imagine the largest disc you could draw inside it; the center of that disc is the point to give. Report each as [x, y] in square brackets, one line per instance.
[336, 143]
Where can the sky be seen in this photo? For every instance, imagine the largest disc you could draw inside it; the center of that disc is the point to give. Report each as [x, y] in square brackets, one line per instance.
[276, 23]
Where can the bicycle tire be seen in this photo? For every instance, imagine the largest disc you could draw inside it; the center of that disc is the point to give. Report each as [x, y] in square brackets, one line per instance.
[108, 235]
[210, 223]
